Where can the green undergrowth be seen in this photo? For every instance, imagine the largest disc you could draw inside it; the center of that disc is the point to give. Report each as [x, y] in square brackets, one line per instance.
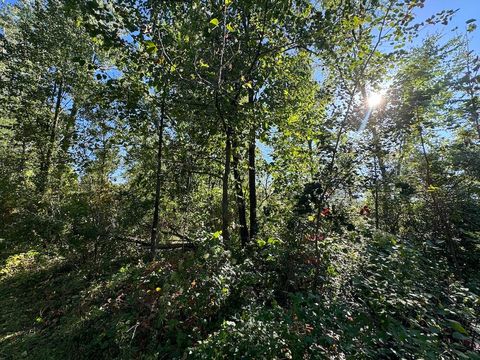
[379, 297]
[51, 308]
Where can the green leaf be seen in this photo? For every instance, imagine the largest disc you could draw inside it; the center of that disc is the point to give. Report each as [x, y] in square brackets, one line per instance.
[150, 47]
[214, 22]
[455, 325]
[356, 21]
[331, 270]
[261, 243]
[273, 241]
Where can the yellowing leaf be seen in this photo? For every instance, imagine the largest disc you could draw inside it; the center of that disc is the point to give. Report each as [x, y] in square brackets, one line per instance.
[356, 21]
[203, 64]
[214, 22]
[261, 243]
[248, 85]
[273, 241]
[230, 28]
[243, 100]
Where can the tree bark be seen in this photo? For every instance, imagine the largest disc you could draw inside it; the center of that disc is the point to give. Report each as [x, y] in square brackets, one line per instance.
[158, 184]
[472, 105]
[377, 220]
[379, 165]
[242, 208]
[225, 178]
[252, 185]
[45, 165]
[69, 128]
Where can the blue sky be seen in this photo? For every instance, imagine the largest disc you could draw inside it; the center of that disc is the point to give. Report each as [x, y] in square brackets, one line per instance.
[468, 9]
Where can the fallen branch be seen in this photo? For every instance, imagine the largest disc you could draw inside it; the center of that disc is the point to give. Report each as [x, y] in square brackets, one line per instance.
[165, 246]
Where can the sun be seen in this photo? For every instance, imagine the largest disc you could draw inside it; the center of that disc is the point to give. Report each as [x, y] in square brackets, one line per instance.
[374, 99]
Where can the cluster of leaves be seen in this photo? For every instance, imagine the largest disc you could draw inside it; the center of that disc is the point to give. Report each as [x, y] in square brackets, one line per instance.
[209, 305]
[134, 125]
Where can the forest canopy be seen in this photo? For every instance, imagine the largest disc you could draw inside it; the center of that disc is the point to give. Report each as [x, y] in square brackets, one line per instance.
[238, 179]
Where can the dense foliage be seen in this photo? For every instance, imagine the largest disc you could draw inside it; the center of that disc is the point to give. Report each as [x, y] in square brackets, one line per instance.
[271, 179]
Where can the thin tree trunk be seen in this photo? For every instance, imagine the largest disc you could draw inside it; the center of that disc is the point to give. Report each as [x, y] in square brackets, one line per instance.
[158, 185]
[242, 208]
[21, 163]
[473, 108]
[45, 166]
[69, 128]
[226, 175]
[380, 166]
[252, 169]
[376, 192]
[252, 185]
[442, 224]
[473, 105]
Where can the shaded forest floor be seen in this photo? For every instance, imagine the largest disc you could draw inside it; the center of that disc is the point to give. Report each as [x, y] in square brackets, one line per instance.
[380, 299]
[46, 307]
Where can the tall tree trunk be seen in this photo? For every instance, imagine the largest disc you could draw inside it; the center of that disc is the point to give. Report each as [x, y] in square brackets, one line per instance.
[46, 163]
[69, 128]
[385, 191]
[473, 107]
[442, 223]
[381, 198]
[158, 184]
[242, 208]
[472, 104]
[226, 175]
[377, 220]
[252, 185]
[22, 162]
